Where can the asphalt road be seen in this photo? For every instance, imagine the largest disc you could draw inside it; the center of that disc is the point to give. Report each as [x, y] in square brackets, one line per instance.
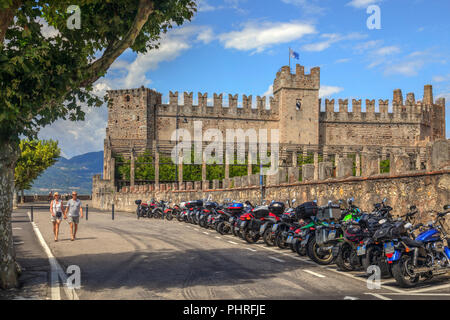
[153, 259]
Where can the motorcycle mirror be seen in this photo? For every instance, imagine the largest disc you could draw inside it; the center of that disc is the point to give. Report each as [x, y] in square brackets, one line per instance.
[408, 225]
[412, 208]
[293, 201]
[315, 201]
[447, 207]
[384, 200]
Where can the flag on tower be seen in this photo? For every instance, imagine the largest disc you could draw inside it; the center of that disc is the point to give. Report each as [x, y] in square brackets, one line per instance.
[294, 54]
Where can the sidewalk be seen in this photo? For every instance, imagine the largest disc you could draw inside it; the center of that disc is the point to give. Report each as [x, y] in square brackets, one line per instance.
[34, 280]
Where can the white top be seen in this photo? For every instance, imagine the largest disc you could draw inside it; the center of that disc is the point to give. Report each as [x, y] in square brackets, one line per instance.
[57, 206]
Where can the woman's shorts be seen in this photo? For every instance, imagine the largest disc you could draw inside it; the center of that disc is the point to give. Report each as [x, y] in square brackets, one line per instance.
[58, 216]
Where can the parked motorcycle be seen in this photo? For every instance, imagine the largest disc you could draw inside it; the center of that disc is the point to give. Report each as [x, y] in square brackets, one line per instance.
[424, 257]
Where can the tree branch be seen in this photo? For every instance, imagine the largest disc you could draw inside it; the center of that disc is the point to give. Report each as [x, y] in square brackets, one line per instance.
[7, 17]
[100, 66]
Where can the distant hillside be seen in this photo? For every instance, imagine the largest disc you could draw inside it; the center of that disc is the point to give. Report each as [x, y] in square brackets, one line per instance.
[70, 174]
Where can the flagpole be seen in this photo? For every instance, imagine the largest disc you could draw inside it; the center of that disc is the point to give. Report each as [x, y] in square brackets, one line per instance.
[289, 59]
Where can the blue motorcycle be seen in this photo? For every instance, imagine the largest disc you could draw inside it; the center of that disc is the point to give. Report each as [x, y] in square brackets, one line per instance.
[422, 258]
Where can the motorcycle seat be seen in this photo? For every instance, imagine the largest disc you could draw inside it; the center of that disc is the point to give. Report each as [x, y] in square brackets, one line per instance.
[412, 243]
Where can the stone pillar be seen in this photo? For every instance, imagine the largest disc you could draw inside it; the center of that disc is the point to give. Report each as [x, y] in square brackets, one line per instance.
[358, 164]
[293, 174]
[316, 166]
[205, 183]
[237, 182]
[370, 164]
[325, 170]
[294, 159]
[215, 184]
[156, 163]
[307, 172]
[325, 154]
[399, 163]
[344, 168]
[440, 155]
[112, 171]
[180, 169]
[132, 164]
[383, 153]
[418, 161]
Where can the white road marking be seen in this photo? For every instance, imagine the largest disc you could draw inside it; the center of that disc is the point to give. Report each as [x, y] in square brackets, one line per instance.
[18, 242]
[444, 286]
[17, 228]
[55, 269]
[276, 259]
[350, 298]
[217, 237]
[205, 232]
[379, 296]
[420, 294]
[251, 249]
[315, 274]
[232, 242]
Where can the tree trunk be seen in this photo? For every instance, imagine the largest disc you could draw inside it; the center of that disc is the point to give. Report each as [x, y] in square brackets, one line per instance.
[15, 200]
[9, 153]
[22, 197]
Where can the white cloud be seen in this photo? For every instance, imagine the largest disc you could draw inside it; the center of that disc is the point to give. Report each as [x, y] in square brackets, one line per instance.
[80, 137]
[362, 3]
[327, 91]
[172, 45]
[441, 78]
[331, 38]
[258, 37]
[269, 91]
[343, 60]
[384, 51]
[204, 6]
[407, 68]
[308, 6]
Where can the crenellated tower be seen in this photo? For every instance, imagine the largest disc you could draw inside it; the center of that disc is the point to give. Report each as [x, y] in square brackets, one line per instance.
[298, 98]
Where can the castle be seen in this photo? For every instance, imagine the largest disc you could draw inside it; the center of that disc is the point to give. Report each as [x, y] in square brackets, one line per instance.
[139, 121]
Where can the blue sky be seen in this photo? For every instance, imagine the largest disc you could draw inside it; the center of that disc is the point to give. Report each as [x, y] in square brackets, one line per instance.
[237, 46]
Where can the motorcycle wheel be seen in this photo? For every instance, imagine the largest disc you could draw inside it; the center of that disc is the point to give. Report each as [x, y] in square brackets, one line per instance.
[268, 238]
[375, 256]
[169, 216]
[221, 228]
[301, 251]
[279, 241]
[403, 272]
[234, 231]
[312, 251]
[291, 246]
[137, 213]
[249, 238]
[343, 260]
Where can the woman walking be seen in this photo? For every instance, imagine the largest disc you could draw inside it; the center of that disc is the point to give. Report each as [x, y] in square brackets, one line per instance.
[56, 209]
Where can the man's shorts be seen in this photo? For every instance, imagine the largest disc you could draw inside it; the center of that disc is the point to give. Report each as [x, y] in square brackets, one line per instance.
[75, 220]
[56, 217]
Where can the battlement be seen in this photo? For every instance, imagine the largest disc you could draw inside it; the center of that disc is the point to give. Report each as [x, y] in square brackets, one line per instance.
[263, 106]
[297, 80]
[408, 110]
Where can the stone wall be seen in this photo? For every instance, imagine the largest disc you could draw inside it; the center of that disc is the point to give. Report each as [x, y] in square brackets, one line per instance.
[426, 190]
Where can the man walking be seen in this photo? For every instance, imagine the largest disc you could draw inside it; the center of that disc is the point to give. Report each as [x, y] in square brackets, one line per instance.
[75, 211]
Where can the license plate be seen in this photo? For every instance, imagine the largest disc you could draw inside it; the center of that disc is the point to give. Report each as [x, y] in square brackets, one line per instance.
[243, 223]
[389, 248]
[289, 239]
[274, 227]
[261, 230]
[332, 235]
[361, 250]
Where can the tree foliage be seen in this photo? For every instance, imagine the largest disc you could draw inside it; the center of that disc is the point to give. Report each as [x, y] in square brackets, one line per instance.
[47, 75]
[35, 157]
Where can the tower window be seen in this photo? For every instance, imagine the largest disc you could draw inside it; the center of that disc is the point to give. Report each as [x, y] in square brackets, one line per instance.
[128, 98]
[298, 104]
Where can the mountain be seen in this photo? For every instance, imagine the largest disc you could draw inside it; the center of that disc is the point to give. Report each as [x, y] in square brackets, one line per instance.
[70, 174]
